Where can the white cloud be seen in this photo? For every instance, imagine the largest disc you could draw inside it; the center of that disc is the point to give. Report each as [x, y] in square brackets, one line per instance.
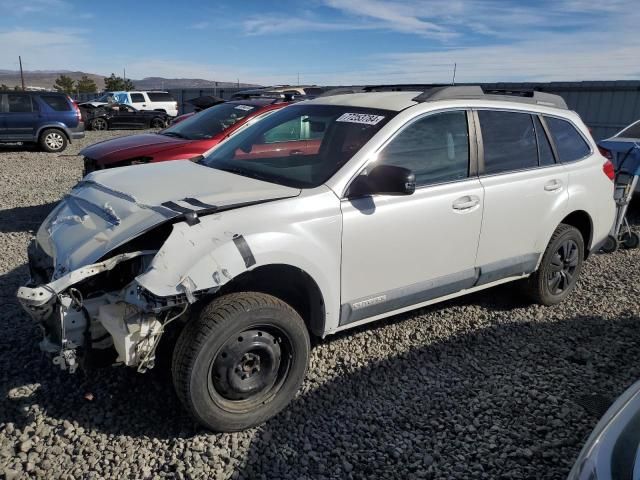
[26, 7]
[200, 25]
[264, 25]
[44, 50]
[402, 17]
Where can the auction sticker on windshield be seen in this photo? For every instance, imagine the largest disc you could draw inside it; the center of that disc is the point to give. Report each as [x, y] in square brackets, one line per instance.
[360, 118]
[246, 108]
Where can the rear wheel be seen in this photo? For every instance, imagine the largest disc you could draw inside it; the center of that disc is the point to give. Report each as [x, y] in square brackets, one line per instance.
[53, 140]
[158, 122]
[99, 124]
[241, 361]
[630, 240]
[560, 267]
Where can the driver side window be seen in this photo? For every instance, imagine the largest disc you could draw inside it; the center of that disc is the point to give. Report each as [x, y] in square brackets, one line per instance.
[435, 148]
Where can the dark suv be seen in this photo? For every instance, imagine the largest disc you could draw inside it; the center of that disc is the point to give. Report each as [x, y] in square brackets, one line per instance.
[49, 119]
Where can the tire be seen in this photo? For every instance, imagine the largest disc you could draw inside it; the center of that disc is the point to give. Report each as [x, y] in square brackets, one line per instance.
[158, 122]
[53, 140]
[559, 269]
[630, 240]
[240, 361]
[99, 124]
[610, 245]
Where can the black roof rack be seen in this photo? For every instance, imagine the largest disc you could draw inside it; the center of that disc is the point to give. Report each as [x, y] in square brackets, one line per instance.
[479, 93]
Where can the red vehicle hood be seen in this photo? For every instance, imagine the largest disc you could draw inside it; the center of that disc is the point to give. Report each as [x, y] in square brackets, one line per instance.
[132, 146]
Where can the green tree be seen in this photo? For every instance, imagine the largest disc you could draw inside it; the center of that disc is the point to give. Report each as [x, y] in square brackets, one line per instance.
[64, 84]
[4, 87]
[86, 85]
[113, 83]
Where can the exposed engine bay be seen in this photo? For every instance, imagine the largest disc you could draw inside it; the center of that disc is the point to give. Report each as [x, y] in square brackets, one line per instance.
[98, 307]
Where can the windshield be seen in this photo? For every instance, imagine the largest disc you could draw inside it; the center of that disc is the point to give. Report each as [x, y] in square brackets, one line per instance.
[211, 121]
[301, 146]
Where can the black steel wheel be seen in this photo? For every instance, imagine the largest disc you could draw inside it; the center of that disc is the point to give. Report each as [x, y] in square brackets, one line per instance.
[559, 268]
[250, 368]
[240, 361]
[630, 240]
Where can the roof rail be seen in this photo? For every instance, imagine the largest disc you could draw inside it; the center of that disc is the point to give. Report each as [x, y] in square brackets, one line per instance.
[402, 87]
[479, 93]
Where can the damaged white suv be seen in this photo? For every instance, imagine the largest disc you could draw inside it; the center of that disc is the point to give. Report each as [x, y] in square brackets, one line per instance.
[325, 215]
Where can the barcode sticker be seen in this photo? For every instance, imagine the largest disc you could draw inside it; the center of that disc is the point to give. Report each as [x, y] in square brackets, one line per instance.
[364, 118]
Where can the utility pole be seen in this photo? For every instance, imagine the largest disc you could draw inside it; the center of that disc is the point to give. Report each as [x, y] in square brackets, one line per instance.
[298, 79]
[21, 73]
[453, 81]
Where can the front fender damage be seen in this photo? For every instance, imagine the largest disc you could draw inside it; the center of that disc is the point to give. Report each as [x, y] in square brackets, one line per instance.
[76, 315]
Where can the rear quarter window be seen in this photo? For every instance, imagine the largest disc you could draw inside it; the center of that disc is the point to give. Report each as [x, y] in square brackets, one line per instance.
[509, 141]
[160, 97]
[56, 102]
[570, 144]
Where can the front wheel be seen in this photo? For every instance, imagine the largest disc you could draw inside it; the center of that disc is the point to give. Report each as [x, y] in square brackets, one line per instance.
[560, 267]
[240, 361]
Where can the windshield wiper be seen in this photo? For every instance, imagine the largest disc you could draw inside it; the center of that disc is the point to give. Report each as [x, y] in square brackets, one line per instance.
[245, 173]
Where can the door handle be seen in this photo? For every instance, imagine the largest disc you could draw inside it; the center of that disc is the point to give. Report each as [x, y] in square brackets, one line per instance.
[466, 203]
[553, 185]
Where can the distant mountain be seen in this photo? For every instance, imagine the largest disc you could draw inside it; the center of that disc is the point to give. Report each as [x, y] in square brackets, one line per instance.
[150, 83]
[47, 78]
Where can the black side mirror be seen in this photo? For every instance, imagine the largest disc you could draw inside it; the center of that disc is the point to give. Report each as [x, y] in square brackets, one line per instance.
[384, 179]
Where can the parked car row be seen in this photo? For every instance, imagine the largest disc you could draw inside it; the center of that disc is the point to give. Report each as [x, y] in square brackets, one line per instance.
[141, 100]
[267, 235]
[187, 139]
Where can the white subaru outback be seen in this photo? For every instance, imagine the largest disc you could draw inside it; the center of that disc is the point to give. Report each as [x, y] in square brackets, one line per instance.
[324, 215]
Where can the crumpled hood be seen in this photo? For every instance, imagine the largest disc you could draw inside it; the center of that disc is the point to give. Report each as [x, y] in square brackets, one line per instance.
[131, 146]
[110, 207]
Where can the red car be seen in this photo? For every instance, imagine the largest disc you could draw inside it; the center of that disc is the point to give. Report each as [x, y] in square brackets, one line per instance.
[190, 138]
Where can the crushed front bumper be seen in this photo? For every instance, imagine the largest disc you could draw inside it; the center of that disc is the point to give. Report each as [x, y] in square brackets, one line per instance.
[121, 319]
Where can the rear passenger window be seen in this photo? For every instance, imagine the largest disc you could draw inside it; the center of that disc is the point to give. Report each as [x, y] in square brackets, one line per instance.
[435, 148]
[19, 103]
[509, 141]
[545, 154]
[137, 98]
[56, 102]
[569, 143]
[160, 97]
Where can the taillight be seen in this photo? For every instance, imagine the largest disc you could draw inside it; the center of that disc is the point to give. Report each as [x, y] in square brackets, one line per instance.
[76, 108]
[609, 170]
[605, 153]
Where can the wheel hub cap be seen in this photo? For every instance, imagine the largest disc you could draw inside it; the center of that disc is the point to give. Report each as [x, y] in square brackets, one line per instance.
[246, 365]
[54, 141]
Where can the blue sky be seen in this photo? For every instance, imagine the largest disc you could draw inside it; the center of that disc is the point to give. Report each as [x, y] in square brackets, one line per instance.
[328, 41]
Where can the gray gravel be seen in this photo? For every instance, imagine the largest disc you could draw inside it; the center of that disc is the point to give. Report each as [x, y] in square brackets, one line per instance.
[482, 387]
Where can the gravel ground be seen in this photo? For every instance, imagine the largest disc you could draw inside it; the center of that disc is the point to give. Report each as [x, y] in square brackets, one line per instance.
[482, 387]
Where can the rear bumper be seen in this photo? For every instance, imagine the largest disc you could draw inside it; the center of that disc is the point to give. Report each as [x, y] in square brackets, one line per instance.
[77, 133]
